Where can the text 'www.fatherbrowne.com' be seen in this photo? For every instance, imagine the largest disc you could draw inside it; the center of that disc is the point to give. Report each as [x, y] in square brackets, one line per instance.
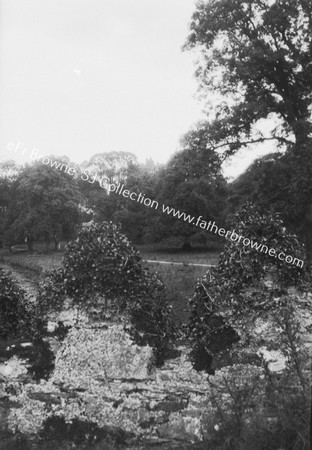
[140, 197]
[231, 235]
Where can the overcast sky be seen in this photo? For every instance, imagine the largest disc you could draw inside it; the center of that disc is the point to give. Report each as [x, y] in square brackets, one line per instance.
[79, 77]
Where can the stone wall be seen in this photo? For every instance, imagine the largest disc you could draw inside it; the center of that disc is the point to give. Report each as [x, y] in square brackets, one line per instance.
[101, 376]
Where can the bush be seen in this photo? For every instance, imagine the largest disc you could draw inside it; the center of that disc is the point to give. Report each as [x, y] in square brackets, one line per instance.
[244, 286]
[19, 322]
[14, 317]
[103, 274]
[255, 409]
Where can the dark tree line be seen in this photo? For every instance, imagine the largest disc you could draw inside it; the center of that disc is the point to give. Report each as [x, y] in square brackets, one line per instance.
[256, 59]
[39, 202]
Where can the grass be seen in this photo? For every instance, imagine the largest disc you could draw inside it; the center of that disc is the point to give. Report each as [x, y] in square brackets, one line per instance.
[194, 256]
[37, 263]
[179, 280]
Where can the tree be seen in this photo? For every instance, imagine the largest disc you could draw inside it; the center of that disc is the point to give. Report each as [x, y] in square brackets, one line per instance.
[257, 57]
[134, 217]
[248, 185]
[112, 167]
[261, 50]
[45, 203]
[192, 183]
[8, 174]
[118, 168]
[281, 183]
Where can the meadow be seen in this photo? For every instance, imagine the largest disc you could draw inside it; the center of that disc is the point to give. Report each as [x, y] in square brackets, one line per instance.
[179, 279]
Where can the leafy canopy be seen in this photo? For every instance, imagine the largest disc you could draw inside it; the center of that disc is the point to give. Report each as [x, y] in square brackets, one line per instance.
[44, 201]
[192, 183]
[257, 53]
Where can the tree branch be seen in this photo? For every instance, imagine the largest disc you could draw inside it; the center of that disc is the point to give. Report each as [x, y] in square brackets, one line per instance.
[254, 141]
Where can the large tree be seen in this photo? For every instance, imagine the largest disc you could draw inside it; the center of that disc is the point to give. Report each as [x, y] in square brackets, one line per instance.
[45, 203]
[103, 169]
[193, 184]
[256, 60]
[282, 183]
[257, 53]
[110, 167]
[123, 168]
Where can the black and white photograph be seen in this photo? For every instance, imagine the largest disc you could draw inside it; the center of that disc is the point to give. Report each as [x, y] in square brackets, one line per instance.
[155, 224]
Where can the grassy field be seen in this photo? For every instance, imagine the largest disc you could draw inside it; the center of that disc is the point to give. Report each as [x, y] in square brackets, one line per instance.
[194, 256]
[178, 279]
[37, 262]
[179, 282]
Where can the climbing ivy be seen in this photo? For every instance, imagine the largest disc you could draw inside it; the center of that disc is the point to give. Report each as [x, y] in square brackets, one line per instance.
[245, 285]
[103, 274]
[19, 322]
[14, 317]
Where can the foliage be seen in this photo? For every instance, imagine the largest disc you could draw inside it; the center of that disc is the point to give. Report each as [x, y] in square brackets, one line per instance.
[240, 265]
[280, 183]
[8, 174]
[119, 168]
[256, 66]
[44, 203]
[256, 409]
[102, 272]
[14, 317]
[257, 54]
[245, 285]
[112, 167]
[133, 216]
[19, 321]
[192, 183]
[81, 433]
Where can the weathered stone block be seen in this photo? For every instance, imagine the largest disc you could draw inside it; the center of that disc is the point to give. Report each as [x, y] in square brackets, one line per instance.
[106, 354]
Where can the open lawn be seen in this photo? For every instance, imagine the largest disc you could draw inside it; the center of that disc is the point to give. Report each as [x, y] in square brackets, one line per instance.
[178, 279]
[179, 282]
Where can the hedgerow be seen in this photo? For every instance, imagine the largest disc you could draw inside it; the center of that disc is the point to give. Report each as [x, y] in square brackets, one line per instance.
[103, 274]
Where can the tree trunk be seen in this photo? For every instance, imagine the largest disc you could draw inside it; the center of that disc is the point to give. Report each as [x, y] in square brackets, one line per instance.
[30, 244]
[186, 246]
[55, 242]
[47, 240]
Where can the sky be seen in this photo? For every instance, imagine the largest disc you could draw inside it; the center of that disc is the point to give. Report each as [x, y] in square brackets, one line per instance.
[79, 77]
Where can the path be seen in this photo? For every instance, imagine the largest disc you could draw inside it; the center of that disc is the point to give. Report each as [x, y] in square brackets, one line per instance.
[178, 263]
[25, 279]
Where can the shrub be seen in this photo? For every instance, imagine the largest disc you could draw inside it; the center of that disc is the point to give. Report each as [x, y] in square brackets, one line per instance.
[255, 408]
[244, 286]
[102, 273]
[240, 266]
[14, 317]
[19, 322]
